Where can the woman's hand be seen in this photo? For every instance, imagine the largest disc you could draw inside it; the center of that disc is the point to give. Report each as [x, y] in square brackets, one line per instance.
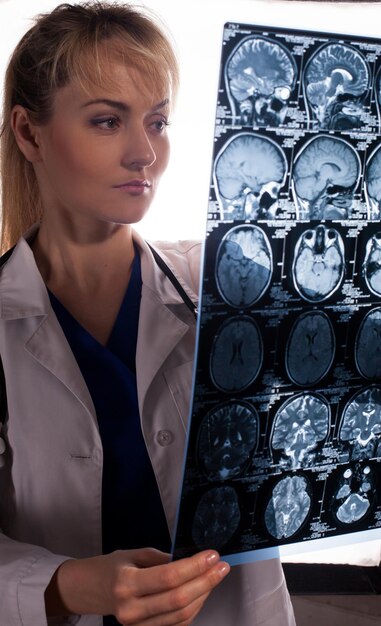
[138, 587]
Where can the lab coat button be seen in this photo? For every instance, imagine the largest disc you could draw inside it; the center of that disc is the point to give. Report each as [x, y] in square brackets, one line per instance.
[164, 437]
[2, 446]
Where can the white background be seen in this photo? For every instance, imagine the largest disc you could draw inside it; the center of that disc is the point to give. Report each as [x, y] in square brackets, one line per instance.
[179, 210]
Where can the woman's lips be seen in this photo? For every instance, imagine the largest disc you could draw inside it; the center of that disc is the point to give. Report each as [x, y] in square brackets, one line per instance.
[135, 187]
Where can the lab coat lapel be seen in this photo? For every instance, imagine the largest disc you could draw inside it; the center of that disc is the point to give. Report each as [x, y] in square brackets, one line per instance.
[25, 303]
[48, 345]
[154, 343]
[153, 348]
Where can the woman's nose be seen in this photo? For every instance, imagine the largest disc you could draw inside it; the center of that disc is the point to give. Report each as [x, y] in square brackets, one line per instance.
[138, 151]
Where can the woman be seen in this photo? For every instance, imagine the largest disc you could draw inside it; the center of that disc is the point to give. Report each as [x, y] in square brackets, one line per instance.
[97, 344]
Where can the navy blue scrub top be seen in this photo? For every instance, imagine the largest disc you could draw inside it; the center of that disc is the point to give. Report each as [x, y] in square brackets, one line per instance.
[132, 512]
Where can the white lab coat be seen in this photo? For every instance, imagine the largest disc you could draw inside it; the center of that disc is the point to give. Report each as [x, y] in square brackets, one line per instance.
[51, 473]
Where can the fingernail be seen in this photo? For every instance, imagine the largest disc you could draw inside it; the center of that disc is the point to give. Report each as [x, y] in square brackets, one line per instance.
[212, 558]
[224, 568]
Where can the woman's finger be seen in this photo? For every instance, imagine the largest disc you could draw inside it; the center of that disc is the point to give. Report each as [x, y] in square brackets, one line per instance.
[162, 578]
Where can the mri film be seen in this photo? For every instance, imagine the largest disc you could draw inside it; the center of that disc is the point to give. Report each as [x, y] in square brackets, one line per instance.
[227, 437]
[361, 424]
[318, 266]
[310, 348]
[260, 77]
[354, 496]
[249, 173]
[237, 354]
[244, 266]
[372, 264]
[336, 83]
[368, 345]
[373, 184]
[216, 519]
[284, 442]
[288, 507]
[300, 425]
[325, 175]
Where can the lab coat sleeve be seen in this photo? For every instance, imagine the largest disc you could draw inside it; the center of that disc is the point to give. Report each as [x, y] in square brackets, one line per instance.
[25, 572]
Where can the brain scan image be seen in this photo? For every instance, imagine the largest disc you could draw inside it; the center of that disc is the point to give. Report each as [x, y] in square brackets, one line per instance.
[310, 348]
[368, 345]
[378, 94]
[237, 354]
[216, 519]
[361, 424]
[354, 496]
[325, 175]
[227, 437]
[248, 174]
[243, 266]
[336, 84]
[288, 507]
[372, 264]
[299, 426]
[318, 266]
[372, 184]
[260, 75]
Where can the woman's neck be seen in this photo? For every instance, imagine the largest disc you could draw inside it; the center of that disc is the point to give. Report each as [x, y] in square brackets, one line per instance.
[82, 258]
[87, 271]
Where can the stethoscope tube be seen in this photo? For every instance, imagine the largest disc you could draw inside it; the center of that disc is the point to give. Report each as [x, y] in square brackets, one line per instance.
[170, 275]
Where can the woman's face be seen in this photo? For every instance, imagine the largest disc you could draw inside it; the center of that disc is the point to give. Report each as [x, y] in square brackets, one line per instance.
[103, 151]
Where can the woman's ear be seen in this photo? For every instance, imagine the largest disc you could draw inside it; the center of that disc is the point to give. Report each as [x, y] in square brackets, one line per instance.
[25, 133]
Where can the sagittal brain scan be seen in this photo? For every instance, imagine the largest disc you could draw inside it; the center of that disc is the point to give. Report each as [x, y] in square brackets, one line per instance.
[237, 354]
[244, 266]
[336, 83]
[318, 266]
[372, 264]
[325, 175]
[228, 436]
[361, 424]
[368, 345]
[299, 426]
[260, 76]
[373, 184]
[216, 519]
[288, 507]
[286, 407]
[249, 172]
[310, 348]
[354, 495]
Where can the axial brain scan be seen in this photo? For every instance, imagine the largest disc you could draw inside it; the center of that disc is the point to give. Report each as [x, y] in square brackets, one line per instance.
[227, 437]
[368, 345]
[373, 184]
[216, 519]
[354, 495]
[260, 76]
[288, 507]
[310, 348]
[249, 172]
[243, 266]
[237, 354]
[361, 424]
[336, 83]
[372, 264]
[318, 266]
[299, 426]
[325, 175]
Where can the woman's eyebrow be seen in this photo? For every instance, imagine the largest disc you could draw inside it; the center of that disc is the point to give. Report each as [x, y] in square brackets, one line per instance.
[122, 106]
[112, 103]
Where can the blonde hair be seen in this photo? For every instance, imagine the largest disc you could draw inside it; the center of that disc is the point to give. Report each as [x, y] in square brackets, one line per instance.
[73, 42]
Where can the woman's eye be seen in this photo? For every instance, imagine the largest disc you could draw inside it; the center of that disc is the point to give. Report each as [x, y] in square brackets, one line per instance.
[160, 125]
[106, 123]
